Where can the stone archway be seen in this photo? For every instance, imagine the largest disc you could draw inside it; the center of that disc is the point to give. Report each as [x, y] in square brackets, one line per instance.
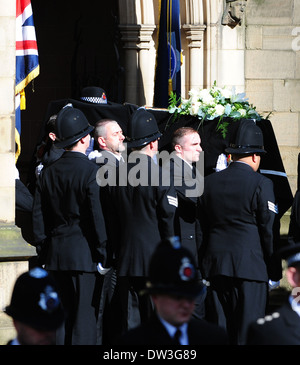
[205, 46]
[138, 24]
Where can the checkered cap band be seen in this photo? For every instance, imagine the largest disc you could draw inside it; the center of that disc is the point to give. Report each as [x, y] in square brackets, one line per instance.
[94, 99]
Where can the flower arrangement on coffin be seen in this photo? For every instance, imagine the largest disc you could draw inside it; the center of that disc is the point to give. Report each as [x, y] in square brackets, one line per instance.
[209, 104]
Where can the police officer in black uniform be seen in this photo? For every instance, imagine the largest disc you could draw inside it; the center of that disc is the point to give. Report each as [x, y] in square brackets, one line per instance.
[283, 326]
[69, 227]
[145, 212]
[35, 308]
[174, 286]
[237, 213]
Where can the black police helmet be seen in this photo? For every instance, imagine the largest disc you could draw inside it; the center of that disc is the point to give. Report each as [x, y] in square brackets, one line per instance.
[249, 139]
[35, 301]
[71, 125]
[172, 271]
[142, 129]
[290, 253]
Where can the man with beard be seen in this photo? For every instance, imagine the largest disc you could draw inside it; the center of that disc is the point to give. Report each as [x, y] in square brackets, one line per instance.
[144, 210]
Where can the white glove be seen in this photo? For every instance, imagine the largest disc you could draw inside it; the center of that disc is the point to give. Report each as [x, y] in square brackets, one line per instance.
[102, 270]
[221, 162]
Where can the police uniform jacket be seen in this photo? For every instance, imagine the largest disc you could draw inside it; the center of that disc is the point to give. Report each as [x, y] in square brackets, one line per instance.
[186, 224]
[279, 328]
[144, 211]
[237, 214]
[105, 158]
[106, 177]
[67, 214]
[153, 332]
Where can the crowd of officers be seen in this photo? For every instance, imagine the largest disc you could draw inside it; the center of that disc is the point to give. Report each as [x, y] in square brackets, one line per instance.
[142, 263]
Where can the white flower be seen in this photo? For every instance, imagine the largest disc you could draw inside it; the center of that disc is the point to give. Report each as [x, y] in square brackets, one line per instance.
[220, 109]
[193, 92]
[194, 95]
[204, 93]
[216, 102]
[226, 93]
[238, 98]
[194, 108]
[242, 112]
[208, 100]
[228, 109]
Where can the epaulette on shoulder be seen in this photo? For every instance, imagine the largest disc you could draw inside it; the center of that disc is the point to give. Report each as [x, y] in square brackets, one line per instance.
[268, 318]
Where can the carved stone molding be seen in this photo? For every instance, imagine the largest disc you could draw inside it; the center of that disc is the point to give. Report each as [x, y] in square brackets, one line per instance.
[194, 33]
[137, 36]
[130, 35]
[145, 36]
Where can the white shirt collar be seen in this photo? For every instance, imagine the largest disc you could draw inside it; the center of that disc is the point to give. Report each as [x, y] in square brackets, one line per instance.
[294, 304]
[189, 164]
[184, 340]
[96, 153]
[118, 156]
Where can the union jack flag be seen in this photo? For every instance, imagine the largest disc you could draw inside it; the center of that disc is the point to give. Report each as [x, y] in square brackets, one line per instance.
[27, 59]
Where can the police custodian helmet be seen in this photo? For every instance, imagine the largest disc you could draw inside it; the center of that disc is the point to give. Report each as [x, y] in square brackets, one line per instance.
[290, 253]
[142, 129]
[35, 301]
[71, 125]
[172, 271]
[249, 139]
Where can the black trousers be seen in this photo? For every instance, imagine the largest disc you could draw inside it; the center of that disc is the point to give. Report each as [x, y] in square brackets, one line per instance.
[234, 303]
[128, 308]
[106, 315]
[80, 294]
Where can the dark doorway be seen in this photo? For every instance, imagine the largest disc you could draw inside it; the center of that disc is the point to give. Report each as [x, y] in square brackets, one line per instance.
[79, 45]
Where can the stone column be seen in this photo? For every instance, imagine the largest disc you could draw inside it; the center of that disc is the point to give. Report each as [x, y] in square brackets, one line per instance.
[194, 35]
[139, 70]
[146, 65]
[130, 37]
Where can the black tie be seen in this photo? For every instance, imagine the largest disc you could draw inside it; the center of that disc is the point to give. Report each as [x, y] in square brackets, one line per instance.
[194, 172]
[176, 337]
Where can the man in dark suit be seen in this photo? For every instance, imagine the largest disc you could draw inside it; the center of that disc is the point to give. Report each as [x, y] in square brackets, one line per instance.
[108, 141]
[237, 212]
[145, 210]
[174, 285]
[69, 225]
[186, 152]
[109, 138]
[188, 181]
[283, 326]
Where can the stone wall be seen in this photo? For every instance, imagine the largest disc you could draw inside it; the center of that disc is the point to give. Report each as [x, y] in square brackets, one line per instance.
[272, 72]
[7, 120]
[9, 271]
[14, 252]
